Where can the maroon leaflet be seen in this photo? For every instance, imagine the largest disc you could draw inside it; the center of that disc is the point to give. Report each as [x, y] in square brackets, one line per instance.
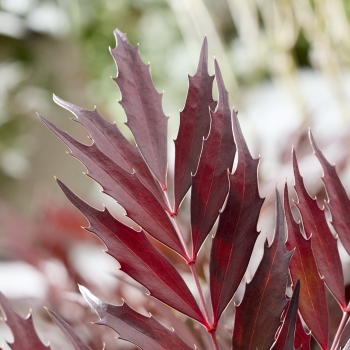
[75, 340]
[285, 339]
[113, 144]
[324, 245]
[142, 105]
[236, 234]
[138, 258]
[124, 187]
[131, 326]
[302, 339]
[210, 183]
[313, 301]
[338, 200]
[259, 314]
[25, 337]
[194, 126]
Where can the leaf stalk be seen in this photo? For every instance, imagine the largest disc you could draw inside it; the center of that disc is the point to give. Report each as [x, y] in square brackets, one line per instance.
[346, 315]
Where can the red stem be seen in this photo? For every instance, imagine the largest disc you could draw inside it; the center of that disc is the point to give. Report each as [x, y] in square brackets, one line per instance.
[191, 264]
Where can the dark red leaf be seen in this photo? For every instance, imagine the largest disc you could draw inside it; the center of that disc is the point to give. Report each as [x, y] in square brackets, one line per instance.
[194, 126]
[236, 234]
[131, 326]
[126, 188]
[285, 339]
[210, 184]
[324, 245]
[142, 105]
[313, 301]
[138, 258]
[338, 200]
[75, 340]
[302, 339]
[259, 314]
[25, 337]
[113, 144]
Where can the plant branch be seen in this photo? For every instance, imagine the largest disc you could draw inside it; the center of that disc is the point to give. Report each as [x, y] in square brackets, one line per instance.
[341, 327]
[212, 334]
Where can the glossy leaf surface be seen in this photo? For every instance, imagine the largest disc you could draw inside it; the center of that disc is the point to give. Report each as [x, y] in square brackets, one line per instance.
[324, 245]
[285, 339]
[113, 144]
[25, 337]
[313, 301]
[236, 234]
[194, 126]
[210, 184]
[145, 332]
[338, 200]
[73, 337]
[138, 258]
[259, 314]
[126, 188]
[142, 105]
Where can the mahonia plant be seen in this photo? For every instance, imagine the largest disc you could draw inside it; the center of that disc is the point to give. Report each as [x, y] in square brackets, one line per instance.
[209, 139]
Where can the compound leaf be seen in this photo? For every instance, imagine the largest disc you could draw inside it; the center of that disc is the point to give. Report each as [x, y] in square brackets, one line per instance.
[138, 258]
[145, 332]
[143, 106]
[324, 245]
[126, 188]
[210, 184]
[113, 144]
[236, 234]
[24, 334]
[194, 126]
[259, 314]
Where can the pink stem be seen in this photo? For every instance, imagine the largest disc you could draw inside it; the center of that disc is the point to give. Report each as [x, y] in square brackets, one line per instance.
[213, 339]
[341, 327]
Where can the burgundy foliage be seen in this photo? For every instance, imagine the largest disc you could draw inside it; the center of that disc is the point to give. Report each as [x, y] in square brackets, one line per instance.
[324, 245]
[143, 331]
[236, 234]
[194, 126]
[209, 139]
[313, 302]
[259, 314]
[210, 183]
[285, 339]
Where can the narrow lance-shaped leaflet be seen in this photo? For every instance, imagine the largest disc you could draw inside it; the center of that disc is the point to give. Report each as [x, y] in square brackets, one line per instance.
[313, 301]
[324, 245]
[259, 314]
[194, 126]
[338, 200]
[143, 106]
[210, 184]
[236, 234]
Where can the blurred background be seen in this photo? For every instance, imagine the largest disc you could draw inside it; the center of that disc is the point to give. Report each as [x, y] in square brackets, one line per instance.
[285, 63]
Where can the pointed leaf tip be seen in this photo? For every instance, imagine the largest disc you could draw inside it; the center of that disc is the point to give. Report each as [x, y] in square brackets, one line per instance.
[324, 245]
[338, 200]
